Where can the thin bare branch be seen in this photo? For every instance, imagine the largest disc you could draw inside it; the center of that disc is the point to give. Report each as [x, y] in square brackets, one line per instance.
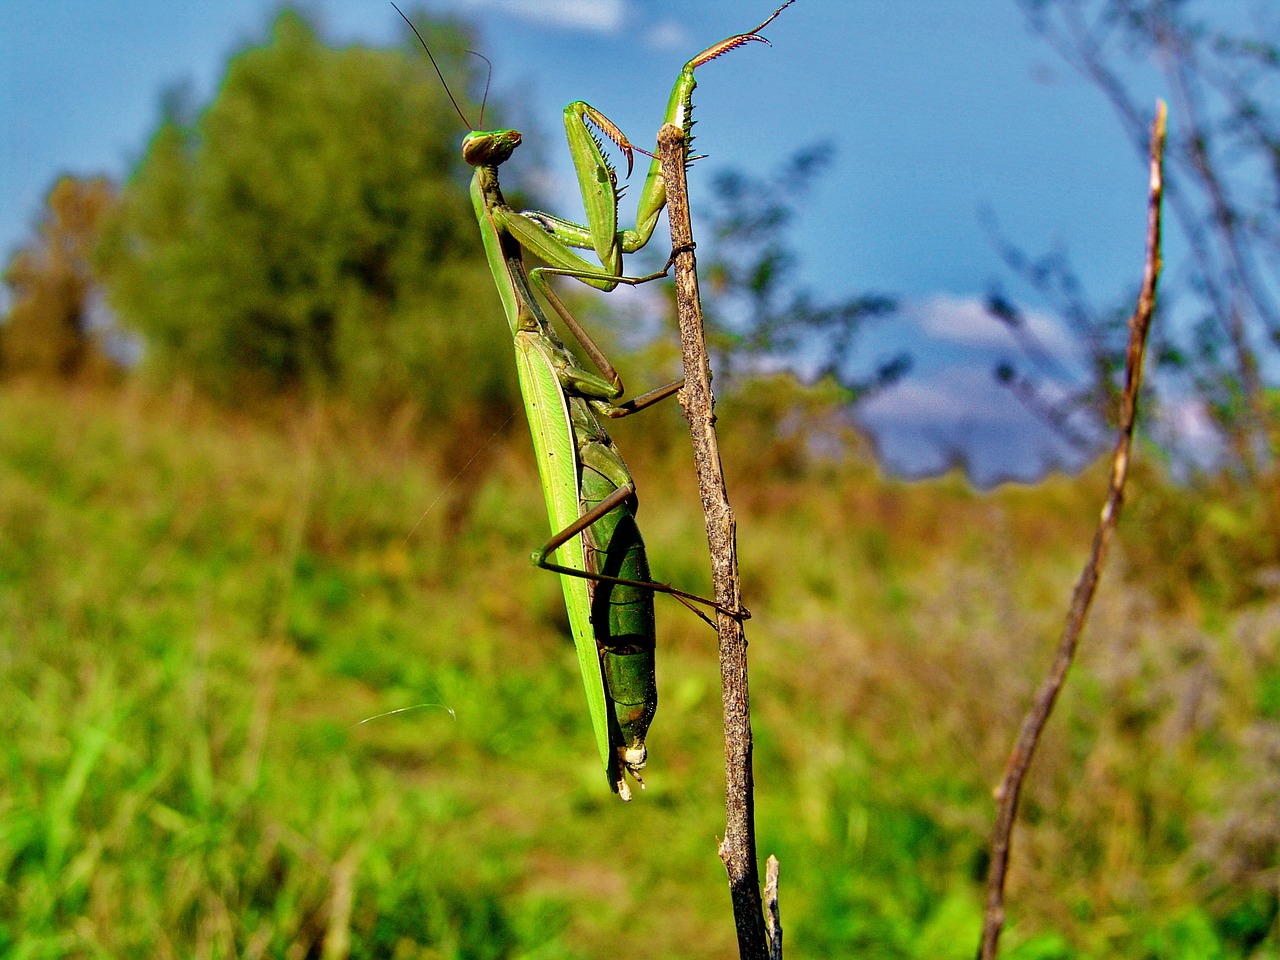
[738, 848]
[1010, 788]
[1224, 274]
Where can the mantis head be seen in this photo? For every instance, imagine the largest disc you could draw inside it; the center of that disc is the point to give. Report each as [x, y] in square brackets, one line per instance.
[489, 148]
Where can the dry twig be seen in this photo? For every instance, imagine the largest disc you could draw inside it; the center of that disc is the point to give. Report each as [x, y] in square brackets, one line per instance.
[1007, 793]
[738, 848]
[772, 919]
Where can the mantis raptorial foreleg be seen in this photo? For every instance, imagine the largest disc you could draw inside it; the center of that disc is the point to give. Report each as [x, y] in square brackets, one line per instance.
[597, 180]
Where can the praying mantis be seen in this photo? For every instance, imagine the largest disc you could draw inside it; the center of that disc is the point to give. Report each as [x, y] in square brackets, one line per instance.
[589, 491]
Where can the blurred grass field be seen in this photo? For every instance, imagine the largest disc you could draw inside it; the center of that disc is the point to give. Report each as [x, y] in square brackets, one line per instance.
[197, 609]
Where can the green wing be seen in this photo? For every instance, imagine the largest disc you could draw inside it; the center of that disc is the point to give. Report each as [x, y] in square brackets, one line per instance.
[548, 413]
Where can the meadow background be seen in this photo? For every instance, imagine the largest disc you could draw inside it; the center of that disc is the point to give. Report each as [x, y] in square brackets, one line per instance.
[264, 480]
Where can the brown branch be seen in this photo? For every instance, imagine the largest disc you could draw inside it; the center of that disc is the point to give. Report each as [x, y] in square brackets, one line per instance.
[738, 848]
[1007, 793]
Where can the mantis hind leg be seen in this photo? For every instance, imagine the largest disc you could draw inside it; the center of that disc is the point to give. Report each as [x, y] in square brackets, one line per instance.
[619, 497]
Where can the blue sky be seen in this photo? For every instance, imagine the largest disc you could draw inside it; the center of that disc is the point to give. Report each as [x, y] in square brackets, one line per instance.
[938, 111]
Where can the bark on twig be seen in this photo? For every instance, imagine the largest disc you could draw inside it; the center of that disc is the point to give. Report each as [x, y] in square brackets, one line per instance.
[1007, 793]
[738, 848]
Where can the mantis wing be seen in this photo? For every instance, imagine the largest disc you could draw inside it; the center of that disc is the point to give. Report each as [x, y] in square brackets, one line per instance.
[549, 424]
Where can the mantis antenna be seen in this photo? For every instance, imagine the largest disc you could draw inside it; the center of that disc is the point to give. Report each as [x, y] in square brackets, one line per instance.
[488, 77]
[436, 66]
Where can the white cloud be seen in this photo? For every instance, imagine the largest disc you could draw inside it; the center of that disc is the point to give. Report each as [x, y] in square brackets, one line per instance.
[1184, 426]
[921, 425]
[597, 16]
[949, 397]
[667, 35]
[966, 322]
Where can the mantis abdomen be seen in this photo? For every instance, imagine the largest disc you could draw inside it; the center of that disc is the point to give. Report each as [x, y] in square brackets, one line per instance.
[621, 613]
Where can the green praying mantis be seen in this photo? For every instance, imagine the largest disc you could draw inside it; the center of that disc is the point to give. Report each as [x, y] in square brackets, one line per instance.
[589, 491]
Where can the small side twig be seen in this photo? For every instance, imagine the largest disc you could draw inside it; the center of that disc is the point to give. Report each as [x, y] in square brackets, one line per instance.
[1007, 793]
[772, 919]
[738, 848]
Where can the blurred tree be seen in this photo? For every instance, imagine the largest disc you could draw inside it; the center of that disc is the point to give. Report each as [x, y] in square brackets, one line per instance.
[311, 230]
[762, 316]
[1222, 189]
[765, 328]
[49, 331]
[1085, 411]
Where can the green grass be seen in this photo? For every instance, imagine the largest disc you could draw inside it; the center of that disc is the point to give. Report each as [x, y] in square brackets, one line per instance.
[197, 610]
